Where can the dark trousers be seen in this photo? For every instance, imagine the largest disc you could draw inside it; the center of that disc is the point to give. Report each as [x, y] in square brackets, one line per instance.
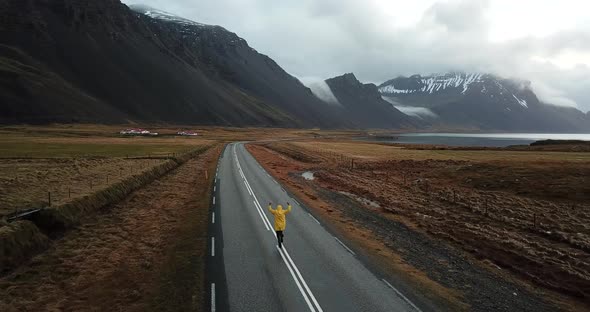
[280, 238]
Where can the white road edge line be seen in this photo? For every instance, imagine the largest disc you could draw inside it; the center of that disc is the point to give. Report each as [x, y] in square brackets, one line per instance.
[296, 280]
[260, 213]
[317, 305]
[303, 281]
[213, 200]
[401, 295]
[212, 297]
[213, 218]
[212, 246]
[247, 189]
[343, 245]
[314, 219]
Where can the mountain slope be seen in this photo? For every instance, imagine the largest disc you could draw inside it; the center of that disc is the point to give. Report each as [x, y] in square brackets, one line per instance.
[364, 103]
[480, 101]
[228, 57]
[106, 63]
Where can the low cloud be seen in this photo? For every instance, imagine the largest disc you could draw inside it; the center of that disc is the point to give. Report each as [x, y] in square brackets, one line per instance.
[553, 96]
[414, 111]
[419, 112]
[320, 89]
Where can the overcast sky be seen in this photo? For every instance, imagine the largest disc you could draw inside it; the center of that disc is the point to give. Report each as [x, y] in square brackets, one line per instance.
[545, 41]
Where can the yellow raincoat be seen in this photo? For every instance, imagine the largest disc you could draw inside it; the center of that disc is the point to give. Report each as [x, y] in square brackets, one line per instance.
[279, 213]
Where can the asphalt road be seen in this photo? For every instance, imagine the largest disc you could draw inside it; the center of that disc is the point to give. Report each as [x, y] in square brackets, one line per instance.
[315, 271]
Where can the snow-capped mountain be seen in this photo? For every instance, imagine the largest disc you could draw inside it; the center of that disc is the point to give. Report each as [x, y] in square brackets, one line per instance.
[430, 84]
[479, 100]
[457, 84]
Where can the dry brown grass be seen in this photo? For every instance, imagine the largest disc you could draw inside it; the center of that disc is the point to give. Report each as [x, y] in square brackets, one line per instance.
[26, 183]
[146, 253]
[376, 151]
[526, 212]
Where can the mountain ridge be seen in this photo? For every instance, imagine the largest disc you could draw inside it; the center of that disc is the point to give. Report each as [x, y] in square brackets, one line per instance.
[481, 100]
[103, 62]
[115, 65]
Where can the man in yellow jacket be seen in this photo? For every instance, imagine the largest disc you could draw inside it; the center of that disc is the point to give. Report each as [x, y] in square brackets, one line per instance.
[280, 220]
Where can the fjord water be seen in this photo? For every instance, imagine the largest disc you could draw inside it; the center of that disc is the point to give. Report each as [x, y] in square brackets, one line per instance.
[484, 139]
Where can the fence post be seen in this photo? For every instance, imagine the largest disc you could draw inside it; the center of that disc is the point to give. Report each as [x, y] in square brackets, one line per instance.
[535, 220]
[49, 198]
[486, 207]
[454, 196]
[69, 193]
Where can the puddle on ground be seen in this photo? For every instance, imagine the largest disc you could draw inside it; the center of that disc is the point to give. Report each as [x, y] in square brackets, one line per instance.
[308, 175]
[362, 200]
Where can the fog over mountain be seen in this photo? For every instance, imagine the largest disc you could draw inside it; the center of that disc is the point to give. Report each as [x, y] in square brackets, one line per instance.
[546, 42]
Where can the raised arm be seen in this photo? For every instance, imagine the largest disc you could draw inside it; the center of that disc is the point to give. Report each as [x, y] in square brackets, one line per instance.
[288, 208]
[270, 208]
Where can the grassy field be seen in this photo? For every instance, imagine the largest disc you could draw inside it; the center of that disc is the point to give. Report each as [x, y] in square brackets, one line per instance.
[145, 253]
[53, 165]
[376, 151]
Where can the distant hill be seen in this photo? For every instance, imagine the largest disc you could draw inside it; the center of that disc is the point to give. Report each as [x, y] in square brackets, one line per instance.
[480, 101]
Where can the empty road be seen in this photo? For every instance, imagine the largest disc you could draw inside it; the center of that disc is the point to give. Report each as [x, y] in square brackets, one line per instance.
[315, 271]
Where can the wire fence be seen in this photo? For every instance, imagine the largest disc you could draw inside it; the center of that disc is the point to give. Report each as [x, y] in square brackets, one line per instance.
[66, 189]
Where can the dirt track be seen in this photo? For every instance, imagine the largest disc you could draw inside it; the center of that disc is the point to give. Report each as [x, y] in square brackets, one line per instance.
[145, 253]
[498, 228]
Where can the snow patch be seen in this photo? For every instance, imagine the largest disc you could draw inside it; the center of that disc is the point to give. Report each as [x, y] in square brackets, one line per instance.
[165, 16]
[521, 102]
[436, 83]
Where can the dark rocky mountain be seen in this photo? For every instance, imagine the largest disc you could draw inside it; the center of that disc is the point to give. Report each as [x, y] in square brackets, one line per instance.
[480, 101]
[99, 61]
[365, 103]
